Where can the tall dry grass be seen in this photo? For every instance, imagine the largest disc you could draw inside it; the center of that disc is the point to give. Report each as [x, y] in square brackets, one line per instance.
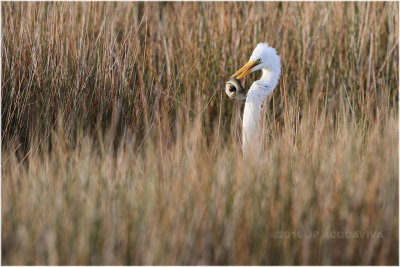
[120, 147]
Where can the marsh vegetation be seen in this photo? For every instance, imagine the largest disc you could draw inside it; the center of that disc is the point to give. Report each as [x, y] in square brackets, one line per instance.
[119, 145]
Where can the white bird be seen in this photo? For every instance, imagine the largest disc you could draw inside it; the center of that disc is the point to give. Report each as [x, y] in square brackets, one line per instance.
[263, 58]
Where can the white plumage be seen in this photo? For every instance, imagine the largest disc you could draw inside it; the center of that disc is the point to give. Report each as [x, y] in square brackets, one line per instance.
[263, 58]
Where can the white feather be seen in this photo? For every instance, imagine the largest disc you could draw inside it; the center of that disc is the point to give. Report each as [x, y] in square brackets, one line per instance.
[259, 90]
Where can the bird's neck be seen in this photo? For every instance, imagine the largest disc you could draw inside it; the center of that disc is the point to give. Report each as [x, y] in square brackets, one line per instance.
[251, 130]
[270, 78]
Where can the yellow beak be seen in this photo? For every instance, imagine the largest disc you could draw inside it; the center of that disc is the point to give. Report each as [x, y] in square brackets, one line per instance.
[246, 69]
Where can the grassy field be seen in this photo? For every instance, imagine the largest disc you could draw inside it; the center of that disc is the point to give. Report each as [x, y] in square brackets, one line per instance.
[119, 145]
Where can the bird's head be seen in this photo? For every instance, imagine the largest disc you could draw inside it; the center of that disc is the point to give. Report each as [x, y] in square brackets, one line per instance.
[263, 57]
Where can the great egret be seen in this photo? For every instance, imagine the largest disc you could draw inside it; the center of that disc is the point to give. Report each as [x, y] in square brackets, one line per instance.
[263, 58]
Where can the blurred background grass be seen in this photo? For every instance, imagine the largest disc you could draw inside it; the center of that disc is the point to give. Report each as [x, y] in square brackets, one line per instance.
[119, 145]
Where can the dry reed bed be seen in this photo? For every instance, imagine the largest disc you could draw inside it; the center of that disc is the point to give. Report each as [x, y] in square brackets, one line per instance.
[119, 146]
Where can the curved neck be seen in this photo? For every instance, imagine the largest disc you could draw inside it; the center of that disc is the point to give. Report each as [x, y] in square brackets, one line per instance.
[251, 129]
[270, 77]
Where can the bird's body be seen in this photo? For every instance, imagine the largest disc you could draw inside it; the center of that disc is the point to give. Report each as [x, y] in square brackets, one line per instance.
[266, 59]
